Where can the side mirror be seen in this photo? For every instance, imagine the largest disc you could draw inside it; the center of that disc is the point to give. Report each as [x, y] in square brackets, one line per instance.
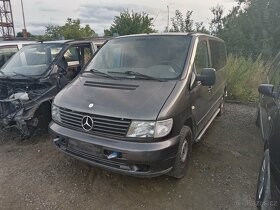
[207, 77]
[267, 90]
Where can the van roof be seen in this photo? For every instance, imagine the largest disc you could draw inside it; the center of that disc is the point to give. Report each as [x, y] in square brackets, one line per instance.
[16, 42]
[194, 34]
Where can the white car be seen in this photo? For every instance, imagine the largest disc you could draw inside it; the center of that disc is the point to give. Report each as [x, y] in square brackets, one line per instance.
[9, 48]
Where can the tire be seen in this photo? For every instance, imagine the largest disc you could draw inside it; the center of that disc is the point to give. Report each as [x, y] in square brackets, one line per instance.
[183, 155]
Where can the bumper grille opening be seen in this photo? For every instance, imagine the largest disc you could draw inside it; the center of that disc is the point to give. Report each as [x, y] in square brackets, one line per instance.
[109, 163]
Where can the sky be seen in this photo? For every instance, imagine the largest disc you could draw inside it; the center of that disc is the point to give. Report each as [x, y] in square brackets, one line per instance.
[100, 14]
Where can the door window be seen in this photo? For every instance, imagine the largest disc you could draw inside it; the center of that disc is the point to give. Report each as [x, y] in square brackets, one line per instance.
[78, 55]
[87, 54]
[202, 57]
[75, 58]
[72, 56]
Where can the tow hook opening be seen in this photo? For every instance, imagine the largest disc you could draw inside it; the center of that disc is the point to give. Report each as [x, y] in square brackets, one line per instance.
[60, 142]
[112, 154]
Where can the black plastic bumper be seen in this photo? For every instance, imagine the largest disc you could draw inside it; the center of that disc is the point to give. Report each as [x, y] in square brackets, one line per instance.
[134, 158]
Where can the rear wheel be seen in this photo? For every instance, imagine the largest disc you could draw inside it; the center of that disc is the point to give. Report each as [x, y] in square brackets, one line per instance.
[183, 154]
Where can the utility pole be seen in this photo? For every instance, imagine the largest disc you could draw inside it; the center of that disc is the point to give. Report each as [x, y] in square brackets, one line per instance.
[167, 18]
[24, 31]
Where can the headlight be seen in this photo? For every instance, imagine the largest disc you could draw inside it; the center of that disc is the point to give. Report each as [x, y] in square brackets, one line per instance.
[55, 113]
[141, 129]
[146, 129]
[163, 128]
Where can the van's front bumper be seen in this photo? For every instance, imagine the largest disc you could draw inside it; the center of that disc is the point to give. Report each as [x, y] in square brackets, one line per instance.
[134, 158]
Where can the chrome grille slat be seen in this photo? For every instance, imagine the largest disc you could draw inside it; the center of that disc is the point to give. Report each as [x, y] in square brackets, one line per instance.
[110, 120]
[106, 127]
[71, 120]
[70, 116]
[102, 125]
[72, 113]
[71, 124]
[109, 124]
[110, 132]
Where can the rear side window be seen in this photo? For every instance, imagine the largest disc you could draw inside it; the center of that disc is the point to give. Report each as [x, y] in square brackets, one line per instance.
[274, 73]
[218, 54]
[274, 68]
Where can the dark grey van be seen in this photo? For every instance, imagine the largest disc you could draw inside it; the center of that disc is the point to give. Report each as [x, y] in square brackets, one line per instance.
[141, 103]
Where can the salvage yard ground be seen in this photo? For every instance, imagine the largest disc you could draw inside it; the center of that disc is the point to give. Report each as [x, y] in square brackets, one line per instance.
[222, 174]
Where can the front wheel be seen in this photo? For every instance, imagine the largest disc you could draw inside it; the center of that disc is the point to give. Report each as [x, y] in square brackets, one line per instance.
[183, 154]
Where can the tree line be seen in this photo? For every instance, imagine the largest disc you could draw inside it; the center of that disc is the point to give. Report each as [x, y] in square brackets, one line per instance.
[250, 28]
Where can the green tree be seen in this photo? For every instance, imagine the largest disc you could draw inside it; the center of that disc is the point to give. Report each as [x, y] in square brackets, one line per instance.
[251, 28]
[216, 24]
[186, 24]
[20, 35]
[181, 24]
[70, 30]
[131, 23]
[52, 31]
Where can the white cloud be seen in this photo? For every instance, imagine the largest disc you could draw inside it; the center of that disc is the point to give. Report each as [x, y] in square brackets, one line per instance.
[100, 14]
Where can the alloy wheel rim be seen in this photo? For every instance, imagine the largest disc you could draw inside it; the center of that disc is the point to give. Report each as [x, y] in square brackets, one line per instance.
[184, 151]
[261, 182]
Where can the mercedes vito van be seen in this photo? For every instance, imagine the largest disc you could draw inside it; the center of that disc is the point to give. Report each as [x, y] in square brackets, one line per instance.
[141, 103]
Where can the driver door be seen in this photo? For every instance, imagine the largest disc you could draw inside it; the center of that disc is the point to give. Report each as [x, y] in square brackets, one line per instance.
[202, 94]
[73, 60]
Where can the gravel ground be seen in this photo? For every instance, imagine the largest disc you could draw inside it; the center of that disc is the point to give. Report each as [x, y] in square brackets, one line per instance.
[222, 174]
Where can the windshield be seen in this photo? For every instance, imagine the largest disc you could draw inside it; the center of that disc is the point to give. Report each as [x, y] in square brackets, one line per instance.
[159, 56]
[32, 60]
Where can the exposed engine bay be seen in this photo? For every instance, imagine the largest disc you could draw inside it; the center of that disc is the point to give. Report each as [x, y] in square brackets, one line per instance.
[19, 103]
[33, 76]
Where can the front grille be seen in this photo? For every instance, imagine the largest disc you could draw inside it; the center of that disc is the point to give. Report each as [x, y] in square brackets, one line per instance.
[102, 125]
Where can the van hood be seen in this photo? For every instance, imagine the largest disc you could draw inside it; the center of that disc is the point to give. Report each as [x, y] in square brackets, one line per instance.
[130, 99]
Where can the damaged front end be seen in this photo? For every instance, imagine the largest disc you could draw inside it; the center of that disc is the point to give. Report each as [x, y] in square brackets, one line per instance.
[22, 104]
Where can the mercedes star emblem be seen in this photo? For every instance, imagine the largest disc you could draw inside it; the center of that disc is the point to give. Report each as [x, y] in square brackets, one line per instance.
[87, 123]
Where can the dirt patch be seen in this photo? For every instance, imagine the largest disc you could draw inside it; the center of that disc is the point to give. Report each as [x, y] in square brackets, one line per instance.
[222, 174]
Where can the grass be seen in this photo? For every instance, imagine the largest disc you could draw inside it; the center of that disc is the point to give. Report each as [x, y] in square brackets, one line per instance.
[244, 75]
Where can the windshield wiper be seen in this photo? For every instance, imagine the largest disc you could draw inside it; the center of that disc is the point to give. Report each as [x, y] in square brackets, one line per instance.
[6, 76]
[2, 73]
[22, 75]
[135, 73]
[100, 73]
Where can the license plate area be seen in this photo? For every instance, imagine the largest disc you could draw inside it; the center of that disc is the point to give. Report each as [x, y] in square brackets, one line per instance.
[85, 147]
